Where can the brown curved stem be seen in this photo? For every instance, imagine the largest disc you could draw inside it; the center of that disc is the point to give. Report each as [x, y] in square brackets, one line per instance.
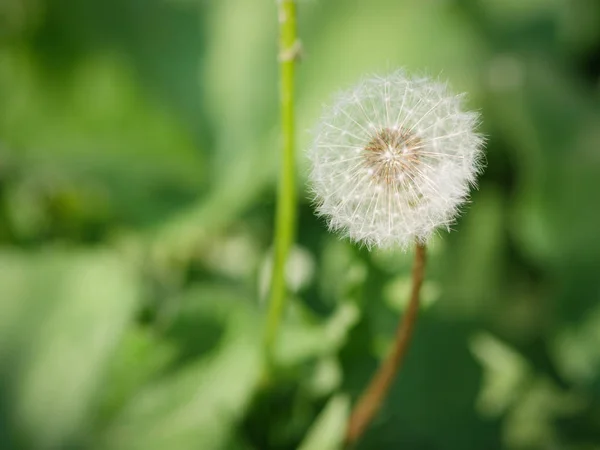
[372, 398]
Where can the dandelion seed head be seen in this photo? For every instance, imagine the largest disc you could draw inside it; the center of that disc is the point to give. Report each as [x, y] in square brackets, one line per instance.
[393, 159]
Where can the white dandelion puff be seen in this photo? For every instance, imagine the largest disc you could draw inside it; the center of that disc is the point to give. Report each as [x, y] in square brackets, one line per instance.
[394, 159]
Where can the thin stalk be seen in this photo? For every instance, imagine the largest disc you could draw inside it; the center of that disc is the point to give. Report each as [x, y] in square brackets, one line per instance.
[372, 398]
[285, 218]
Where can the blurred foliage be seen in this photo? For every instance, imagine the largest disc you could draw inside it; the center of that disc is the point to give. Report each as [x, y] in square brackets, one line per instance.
[138, 148]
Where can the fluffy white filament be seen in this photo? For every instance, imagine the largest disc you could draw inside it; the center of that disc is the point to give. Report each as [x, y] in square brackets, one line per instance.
[393, 159]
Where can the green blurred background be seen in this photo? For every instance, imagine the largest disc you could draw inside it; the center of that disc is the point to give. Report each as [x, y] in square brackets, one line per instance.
[138, 159]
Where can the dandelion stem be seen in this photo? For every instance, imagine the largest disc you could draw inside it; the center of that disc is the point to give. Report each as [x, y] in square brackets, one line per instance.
[374, 395]
[285, 218]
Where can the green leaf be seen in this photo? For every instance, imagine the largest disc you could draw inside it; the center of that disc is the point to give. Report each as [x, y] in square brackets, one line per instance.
[141, 357]
[303, 338]
[97, 130]
[65, 315]
[327, 433]
[198, 405]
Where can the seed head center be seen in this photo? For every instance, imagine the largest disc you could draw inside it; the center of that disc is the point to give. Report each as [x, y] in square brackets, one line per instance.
[392, 155]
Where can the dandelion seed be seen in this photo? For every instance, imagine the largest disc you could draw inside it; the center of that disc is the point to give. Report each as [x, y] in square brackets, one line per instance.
[394, 159]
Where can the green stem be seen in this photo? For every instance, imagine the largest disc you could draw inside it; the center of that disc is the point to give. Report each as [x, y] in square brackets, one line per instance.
[285, 219]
